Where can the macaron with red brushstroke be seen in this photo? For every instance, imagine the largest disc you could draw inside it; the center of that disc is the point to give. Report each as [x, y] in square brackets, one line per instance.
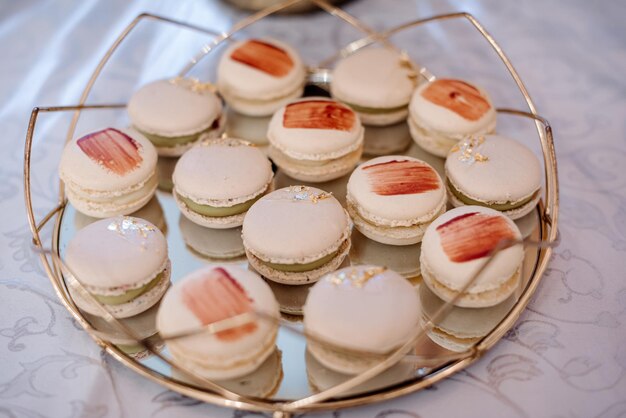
[212, 295]
[258, 76]
[175, 114]
[444, 111]
[377, 83]
[122, 262]
[496, 172]
[458, 243]
[393, 199]
[109, 172]
[315, 139]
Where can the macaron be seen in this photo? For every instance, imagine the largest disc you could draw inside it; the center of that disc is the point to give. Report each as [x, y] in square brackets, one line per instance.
[122, 262]
[444, 111]
[216, 182]
[297, 234]
[224, 245]
[177, 113]
[109, 172]
[393, 199]
[377, 83]
[366, 308]
[458, 243]
[210, 295]
[461, 328]
[258, 76]
[315, 139]
[496, 172]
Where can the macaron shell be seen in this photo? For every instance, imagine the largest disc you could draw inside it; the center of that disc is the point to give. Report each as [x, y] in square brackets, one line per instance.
[510, 173]
[433, 142]
[413, 191]
[316, 143]
[178, 150]
[378, 315]
[173, 108]
[222, 173]
[373, 77]
[292, 225]
[241, 80]
[78, 169]
[439, 118]
[114, 252]
[514, 214]
[209, 350]
[383, 119]
[454, 275]
[260, 108]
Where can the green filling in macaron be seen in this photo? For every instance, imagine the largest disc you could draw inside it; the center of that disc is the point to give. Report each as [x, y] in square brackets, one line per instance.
[377, 110]
[500, 207]
[298, 268]
[218, 212]
[129, 295]
[172, 141]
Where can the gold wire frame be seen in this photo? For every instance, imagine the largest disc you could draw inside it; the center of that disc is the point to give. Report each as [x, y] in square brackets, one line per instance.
[326, 399]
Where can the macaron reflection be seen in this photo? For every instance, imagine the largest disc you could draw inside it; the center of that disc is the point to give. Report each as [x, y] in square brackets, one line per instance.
[217, 245]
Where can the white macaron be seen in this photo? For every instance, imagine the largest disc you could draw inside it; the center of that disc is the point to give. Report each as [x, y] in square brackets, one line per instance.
[175, 114]
[122, 262]
[377, 83]
[315, 139]
[210, 295]
[444, 111]
[109, 172]
[258, 76]
[216, 182]
[458, 243]
[496, 172]
[365, 308]
[297, 234]
[392, 199]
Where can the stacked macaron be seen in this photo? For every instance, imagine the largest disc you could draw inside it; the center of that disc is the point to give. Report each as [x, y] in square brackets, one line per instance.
[175, 114]
[393, 199]
[496, 172]
[216, 182]
[458, 243]
[315, 139]
[257, 76]
[213, 295]
[122, 263]
[109, 172]
[365, 308]
[297, 234]
[444, 111]
[377, 83]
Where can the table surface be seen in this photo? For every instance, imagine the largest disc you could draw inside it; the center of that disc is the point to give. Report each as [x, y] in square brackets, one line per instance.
[566, 356]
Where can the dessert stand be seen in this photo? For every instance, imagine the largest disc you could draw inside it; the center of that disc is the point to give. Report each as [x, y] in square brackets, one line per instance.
[427, 364]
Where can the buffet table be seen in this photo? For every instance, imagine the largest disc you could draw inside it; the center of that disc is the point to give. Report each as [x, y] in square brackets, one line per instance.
[566, 356]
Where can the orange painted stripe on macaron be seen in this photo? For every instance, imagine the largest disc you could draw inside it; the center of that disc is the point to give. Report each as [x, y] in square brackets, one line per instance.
[264, 57]
[218, 296]
[318, 114]
[473, 235]
[395, 177]
[460, 97]
[112, 149]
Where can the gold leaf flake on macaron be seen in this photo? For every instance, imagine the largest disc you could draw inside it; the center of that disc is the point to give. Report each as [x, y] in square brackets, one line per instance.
[112, 149]
[469, 150]
[193, 84]
[303, 193]
[264, 57]
[357, 278]
[473, 235]
[458, 96]
[218, 296]
[396, 177]
[318, 114]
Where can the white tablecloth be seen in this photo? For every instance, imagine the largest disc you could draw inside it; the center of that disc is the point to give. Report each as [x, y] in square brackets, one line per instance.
[566, 357]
